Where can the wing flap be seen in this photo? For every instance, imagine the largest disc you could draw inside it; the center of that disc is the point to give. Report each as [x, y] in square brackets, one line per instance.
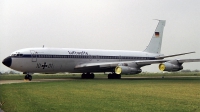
[103, 64]
[149, 62]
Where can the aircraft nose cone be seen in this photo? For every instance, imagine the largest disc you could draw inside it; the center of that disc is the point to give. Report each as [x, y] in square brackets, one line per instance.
[7, 61]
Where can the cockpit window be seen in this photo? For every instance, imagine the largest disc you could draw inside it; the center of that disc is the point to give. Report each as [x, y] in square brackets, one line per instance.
[14, 55]
[20, 55]
[17, 55]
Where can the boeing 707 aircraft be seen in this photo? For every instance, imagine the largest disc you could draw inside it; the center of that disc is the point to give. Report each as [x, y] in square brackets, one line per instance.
[90, 61]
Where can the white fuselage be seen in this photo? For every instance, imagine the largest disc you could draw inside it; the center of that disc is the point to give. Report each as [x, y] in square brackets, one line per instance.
[53, 60]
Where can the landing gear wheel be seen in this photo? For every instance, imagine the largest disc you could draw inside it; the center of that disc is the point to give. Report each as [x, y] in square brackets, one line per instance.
[118, 76]
[83, 76]
[110, 76]
[114, 76]
[87, 76]
[91, 76]
[28, 77]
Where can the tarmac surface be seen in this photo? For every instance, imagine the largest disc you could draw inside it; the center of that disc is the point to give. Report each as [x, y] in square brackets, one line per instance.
[1, 110]
[104, 78]
[34, 80]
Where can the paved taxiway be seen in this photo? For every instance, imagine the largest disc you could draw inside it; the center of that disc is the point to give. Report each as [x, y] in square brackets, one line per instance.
[123, 78]
[35, 80]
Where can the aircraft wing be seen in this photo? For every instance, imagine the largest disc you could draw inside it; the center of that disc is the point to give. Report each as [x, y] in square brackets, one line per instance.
[140, 63]
[108, 66]
[188, 60]
[146, 62]
[101, 64]
[162, 57]
[114, 64]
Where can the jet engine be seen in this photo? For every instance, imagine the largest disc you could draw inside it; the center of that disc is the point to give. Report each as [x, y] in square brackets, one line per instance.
[171, 66]
[127, 70]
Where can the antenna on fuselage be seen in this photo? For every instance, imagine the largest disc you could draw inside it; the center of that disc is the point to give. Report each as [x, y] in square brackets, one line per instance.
[43, 46]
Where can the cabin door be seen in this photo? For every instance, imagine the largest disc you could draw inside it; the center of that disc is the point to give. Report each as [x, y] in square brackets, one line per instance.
[120, 58]
[33, 55]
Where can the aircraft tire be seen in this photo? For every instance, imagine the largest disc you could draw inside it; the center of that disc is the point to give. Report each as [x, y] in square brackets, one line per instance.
[83, 76]
[87, 76]
[117, 76]
[114, 76]
[111, 76]
[29, 77]
[91, 76]
[26, 77]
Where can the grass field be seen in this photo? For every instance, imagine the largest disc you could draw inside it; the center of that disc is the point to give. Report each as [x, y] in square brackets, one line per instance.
[154, 94]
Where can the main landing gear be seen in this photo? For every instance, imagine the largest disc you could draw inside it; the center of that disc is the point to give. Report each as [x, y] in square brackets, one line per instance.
[114, 76]
[28, 77]
[87, 75]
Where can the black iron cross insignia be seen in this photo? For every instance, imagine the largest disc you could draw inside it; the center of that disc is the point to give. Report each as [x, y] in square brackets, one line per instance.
[44, 65]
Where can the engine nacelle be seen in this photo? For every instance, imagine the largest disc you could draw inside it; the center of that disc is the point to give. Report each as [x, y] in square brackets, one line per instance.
[170, 67]
[127, 70]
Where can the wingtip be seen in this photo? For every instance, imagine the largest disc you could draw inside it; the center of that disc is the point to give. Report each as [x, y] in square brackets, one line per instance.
[191, 52]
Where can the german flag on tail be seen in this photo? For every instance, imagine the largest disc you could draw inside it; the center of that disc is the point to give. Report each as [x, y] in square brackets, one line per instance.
[156, 34]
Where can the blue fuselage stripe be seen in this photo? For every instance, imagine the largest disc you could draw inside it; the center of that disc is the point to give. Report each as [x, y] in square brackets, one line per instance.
[83, 57]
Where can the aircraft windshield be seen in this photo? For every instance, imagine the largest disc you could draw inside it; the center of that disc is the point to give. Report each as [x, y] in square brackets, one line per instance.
[17, 55]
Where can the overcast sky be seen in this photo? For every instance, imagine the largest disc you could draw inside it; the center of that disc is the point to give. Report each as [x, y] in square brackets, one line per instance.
[100, 24]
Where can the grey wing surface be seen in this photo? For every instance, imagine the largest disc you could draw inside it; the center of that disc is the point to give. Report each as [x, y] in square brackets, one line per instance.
[110, 66]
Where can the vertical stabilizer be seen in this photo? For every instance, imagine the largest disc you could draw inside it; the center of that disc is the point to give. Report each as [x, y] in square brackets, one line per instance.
[156, 40]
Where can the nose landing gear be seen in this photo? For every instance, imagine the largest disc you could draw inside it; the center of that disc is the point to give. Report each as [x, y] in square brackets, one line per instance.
[28, 77]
